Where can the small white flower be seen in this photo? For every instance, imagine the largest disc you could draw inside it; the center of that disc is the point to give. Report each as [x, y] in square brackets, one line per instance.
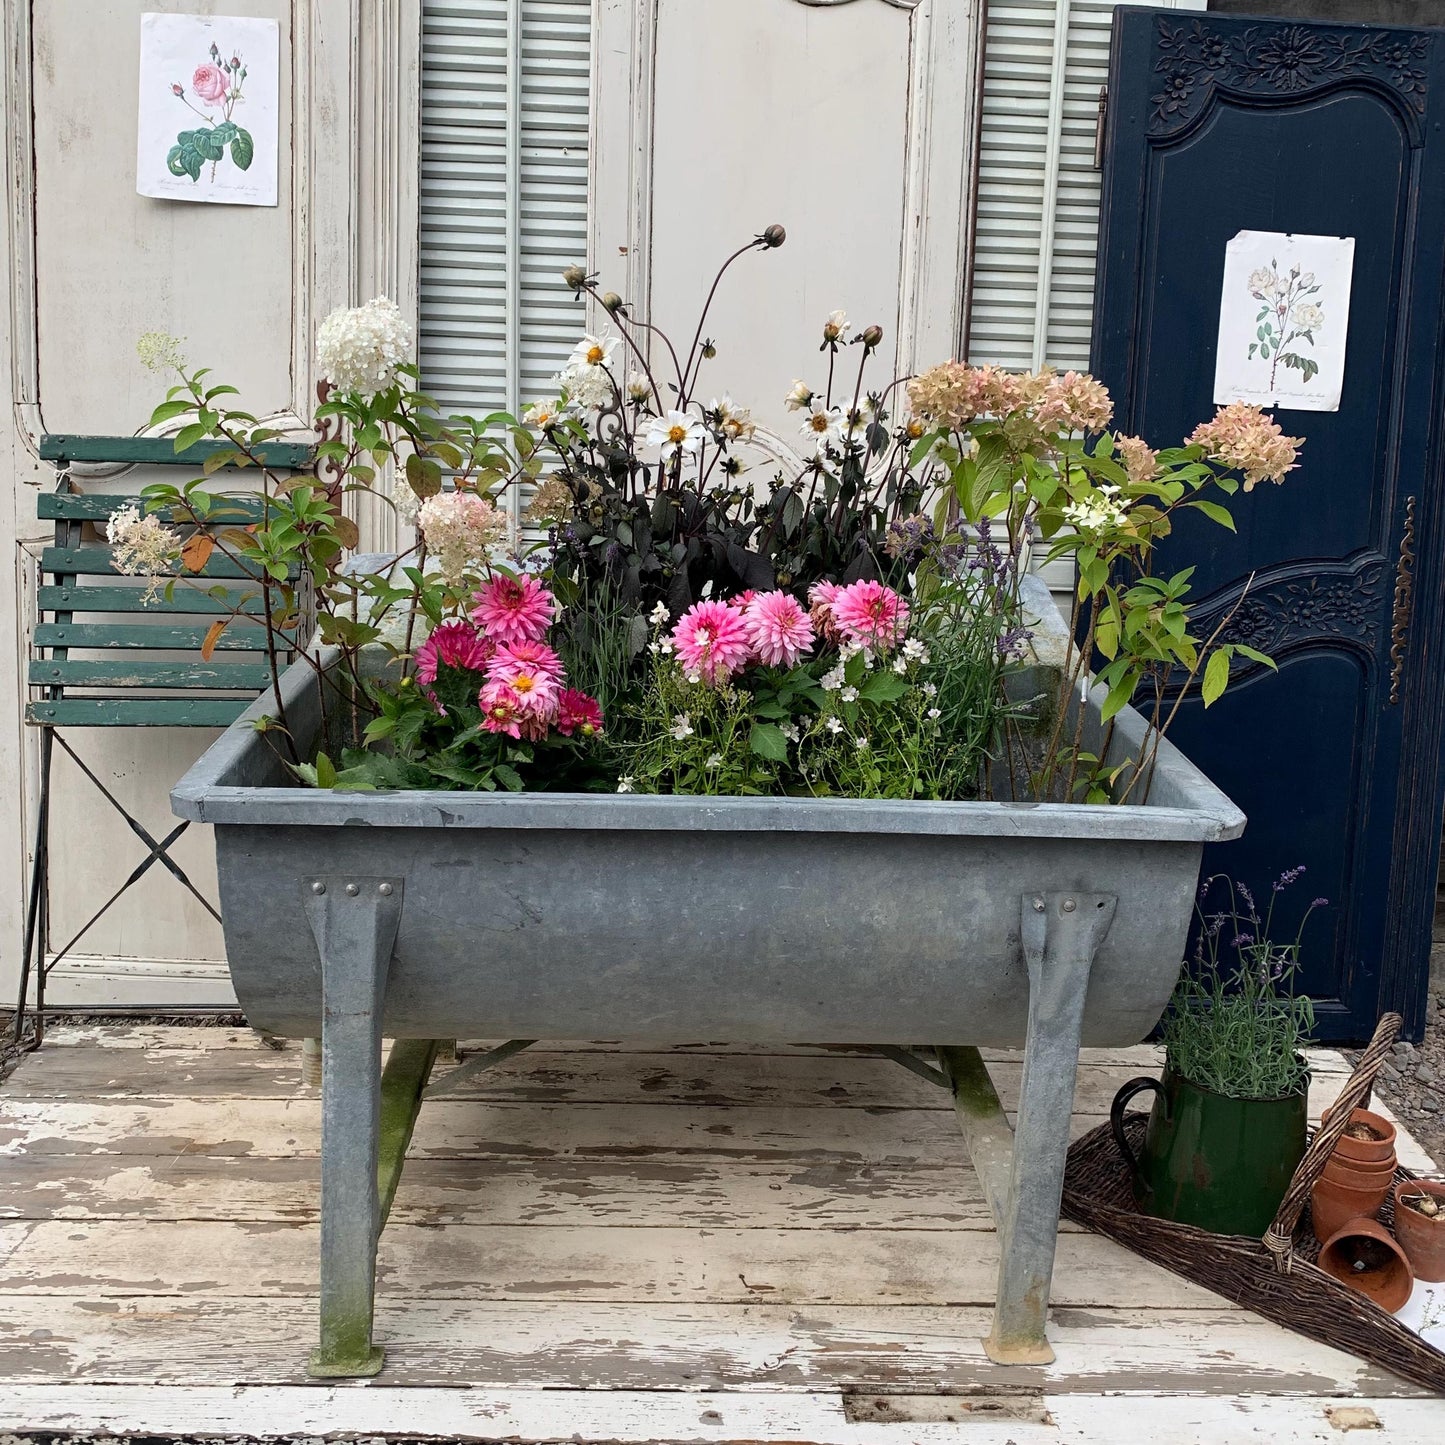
[854, 425]
[860, 743]
[624, 785]
[681, 727]
[900, 665]
[915, 651]
[929, 690]
[835, 328]
[588, 386]
[934, 713]
[160, 351]
[675, 433]
[542, 414]
[693, 677]
[714, 760]
[834, 726]
[790, 731]
[594, 351]
[637, 386]
[823, 424]
[799, 396]
[659, 614]
[143, 547]
[733, 421]
[849, 694]
[832, 680]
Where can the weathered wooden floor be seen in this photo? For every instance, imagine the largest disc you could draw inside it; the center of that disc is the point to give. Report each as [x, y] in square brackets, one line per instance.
[597, 1242]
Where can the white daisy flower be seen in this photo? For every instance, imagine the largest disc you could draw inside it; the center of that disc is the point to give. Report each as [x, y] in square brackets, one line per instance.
[676, 433]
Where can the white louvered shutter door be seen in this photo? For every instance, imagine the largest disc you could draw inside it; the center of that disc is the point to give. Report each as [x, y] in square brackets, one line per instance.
[503, 196]
[1038, 192]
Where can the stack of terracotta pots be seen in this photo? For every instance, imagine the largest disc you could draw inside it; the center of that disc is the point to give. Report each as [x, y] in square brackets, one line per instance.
[1357, 1179]
[1356, 1247]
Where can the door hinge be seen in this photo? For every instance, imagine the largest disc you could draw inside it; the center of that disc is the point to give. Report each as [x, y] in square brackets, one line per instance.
[1101, 122]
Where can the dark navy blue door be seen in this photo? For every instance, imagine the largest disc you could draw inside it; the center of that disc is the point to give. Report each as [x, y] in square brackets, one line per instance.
[1219, 125]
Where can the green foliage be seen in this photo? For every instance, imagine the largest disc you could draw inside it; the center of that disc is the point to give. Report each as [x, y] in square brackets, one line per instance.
[1235, 1025]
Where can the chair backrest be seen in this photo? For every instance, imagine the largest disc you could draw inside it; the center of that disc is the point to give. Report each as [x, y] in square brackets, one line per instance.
[139, 662]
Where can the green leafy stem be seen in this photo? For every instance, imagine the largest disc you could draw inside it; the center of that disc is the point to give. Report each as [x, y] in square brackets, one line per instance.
[194, 148]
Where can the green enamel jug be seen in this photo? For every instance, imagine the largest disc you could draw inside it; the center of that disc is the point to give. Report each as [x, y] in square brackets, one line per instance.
[1219, 1163]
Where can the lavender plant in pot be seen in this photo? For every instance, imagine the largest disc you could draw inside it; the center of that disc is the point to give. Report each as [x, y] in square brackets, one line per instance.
[1229, 1120]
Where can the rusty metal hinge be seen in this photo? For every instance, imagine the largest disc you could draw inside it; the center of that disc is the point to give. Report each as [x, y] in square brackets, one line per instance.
[1404, 602]
[1101, 122]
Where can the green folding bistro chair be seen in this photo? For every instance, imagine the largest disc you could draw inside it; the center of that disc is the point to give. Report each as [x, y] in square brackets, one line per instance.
[102, 657]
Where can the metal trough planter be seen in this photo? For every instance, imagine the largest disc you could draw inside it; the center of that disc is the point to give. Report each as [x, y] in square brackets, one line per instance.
[427, 916]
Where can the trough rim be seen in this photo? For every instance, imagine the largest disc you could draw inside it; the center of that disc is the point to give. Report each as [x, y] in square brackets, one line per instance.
[208, 793]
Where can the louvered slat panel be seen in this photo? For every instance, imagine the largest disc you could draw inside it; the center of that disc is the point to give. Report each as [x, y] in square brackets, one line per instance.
[1035, 241]
[501, 214]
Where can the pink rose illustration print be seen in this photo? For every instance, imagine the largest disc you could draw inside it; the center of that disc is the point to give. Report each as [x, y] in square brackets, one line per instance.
[215, 92]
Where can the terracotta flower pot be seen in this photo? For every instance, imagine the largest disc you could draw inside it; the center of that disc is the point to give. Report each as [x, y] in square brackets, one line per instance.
[1363, 1255]
[1333, 1205]
[1422, 1238]
[1366, 1150]
[1358, 1175]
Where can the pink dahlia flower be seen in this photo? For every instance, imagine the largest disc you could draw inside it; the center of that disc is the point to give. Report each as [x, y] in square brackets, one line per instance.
[531, 670]
[505, 710]
[820, 605]
[742, 600]
[712, 641]
[578, 713]
[871, 615]
[778, 628]
[454, 643]
[514, 609]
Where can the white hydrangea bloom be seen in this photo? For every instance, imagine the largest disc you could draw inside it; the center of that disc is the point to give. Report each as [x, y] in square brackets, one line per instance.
[459, 528]
[359, 349]
[142, 546]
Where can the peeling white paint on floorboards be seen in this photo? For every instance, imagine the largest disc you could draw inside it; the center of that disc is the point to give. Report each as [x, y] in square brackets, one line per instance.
[598, 1242]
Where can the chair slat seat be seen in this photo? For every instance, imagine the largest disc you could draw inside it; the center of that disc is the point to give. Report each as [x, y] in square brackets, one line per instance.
[161, 451]
[142, 672]
[97, 560]
[136, 712]
[158, 637]
[101, 506]
[187, 600]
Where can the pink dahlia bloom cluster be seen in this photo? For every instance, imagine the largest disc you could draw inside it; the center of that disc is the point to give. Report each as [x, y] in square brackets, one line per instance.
[715, 640]
[866, 614]
[524, 691]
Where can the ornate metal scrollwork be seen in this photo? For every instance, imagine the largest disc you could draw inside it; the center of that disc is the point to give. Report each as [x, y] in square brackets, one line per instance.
[1404, 602]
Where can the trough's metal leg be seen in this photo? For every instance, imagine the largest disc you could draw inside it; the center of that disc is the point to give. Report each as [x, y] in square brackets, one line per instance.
[355, 922]
[1061, 934]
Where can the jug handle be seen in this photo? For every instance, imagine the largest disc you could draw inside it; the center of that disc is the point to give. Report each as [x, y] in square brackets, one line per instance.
[1116, 1118]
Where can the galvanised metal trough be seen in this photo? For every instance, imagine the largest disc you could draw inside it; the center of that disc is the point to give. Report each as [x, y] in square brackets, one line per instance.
[425, 916]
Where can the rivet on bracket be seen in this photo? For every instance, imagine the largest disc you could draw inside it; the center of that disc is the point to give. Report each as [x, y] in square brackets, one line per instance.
[352, 889]
[1038, 905]
[384, 889]
[1069, 905]
[318, 888]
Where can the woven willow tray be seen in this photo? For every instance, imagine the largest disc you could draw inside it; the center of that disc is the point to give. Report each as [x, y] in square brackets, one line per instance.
[1275, 1276]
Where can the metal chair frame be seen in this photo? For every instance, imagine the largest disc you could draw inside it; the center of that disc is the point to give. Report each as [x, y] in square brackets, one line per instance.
[137, 693]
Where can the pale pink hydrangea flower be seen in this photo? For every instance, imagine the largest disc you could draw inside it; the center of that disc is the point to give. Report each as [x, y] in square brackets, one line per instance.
[459, 528]
[778, 628]
[513, 609]
[1140, 460]
[712, 641]
[1241, 436]
[953, 394]
[1074, 402]
[871, 615]
[453, 643]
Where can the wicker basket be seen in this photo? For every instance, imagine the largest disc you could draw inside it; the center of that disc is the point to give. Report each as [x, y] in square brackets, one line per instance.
[1275, 1276]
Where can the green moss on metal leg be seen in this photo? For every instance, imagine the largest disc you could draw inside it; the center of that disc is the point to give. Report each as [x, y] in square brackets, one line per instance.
[408, 1067]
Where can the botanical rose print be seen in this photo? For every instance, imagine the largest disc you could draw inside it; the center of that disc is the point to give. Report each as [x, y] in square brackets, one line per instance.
[210, 83]
[215, 82]
[1286, 318]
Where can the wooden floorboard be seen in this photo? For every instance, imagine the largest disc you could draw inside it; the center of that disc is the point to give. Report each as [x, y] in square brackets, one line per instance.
[600, 1241]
